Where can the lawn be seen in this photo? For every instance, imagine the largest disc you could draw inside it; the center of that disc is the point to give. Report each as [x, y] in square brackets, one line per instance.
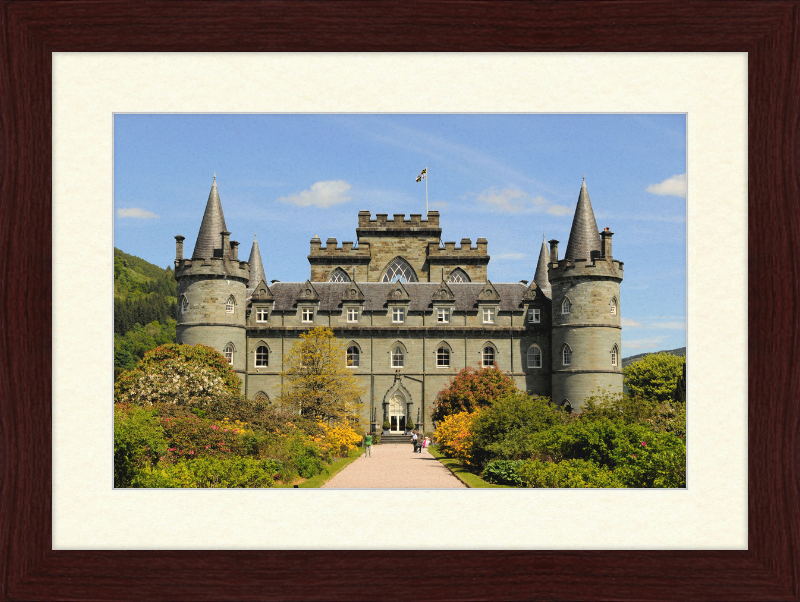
[463, 473]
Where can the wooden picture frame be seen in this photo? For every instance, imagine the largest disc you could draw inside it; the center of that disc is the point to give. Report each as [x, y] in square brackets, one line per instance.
[31, 30]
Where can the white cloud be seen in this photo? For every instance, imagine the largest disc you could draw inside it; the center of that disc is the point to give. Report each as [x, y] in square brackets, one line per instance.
[669, 325]
[629, 322]
[509, 256]
[136, 212]
[673, 186]
[642, 343]
[321, 194]
[514, 200]
[438, 204]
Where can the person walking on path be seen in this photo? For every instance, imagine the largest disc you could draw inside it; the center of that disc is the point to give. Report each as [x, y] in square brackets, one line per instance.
[414, 439]
[368, 445]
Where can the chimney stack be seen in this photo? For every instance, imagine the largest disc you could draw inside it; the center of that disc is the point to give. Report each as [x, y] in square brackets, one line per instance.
[179, 247]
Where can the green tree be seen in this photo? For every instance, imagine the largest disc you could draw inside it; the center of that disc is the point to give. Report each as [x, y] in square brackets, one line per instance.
[655, 376]
[472, 389]
[318, 383]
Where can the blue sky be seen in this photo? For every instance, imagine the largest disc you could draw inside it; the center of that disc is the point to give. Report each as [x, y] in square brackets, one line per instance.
[508, 178]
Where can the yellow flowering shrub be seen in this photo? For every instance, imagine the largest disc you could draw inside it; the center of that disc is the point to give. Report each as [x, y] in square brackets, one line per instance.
[454, 436]
[337, 439]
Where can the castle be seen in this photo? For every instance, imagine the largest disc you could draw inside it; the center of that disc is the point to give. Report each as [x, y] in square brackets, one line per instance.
[411, 311]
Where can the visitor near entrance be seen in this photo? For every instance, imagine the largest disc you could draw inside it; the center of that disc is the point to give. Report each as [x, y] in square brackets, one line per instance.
[368, 445]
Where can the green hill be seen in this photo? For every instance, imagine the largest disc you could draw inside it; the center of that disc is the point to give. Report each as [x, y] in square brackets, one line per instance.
[636, 358]
[145, 304]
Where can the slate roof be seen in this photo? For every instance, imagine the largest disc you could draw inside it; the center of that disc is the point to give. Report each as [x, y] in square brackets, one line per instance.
[213, 223]
[583, 237]
[256, 267]
[541, 278]
[376, 293]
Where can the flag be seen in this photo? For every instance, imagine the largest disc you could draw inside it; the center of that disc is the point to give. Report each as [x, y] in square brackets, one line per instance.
[423, 175]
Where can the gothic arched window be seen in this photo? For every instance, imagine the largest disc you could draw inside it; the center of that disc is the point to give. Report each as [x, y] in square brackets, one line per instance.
[488, 356]
[443, 357]
[534, 357]
[458, 275]
[566, 355]
[614, 355]
[339, 275]
[262, 397]
[184, 304]
[230, 304]
[613, 306]
[228, 352]
[566, 306]
[398, 269]
[398, 357]
[262, 356]
[353, 356]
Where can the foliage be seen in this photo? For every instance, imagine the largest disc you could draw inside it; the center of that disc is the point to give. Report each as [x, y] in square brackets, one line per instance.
[454, 438]
[654, 377]
[644, 458]
[191, 437]
[319, 384]
[212, 473]
[134, 276]
[338, 440]
[566, 474]
[503, 472]
[505, 430]
[131, 347]
[679, 397]
[618, 406]
[386, 424]
[138, 442]
[471, 389]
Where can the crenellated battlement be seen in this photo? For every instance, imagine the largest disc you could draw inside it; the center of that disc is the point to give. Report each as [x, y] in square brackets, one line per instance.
[398, 220]
[597, 266]
[213, 267]
[344, 252]
[464, 250]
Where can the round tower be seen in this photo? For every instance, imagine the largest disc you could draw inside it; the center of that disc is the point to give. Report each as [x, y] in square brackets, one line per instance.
[212, 289]
[586, 340]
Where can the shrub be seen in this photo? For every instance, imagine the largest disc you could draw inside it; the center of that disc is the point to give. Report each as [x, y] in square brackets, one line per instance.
[503, 472]
[618, 407]
[593, 441]
[472, 389]
[139, 442]
[566, 474]
[212, 473]
[454, 437]
[506, 429]
[337, 440]
[655, 376]
[191, 437]
[645, 458]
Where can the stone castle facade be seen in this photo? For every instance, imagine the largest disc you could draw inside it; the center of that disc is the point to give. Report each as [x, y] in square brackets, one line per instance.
[412, 311]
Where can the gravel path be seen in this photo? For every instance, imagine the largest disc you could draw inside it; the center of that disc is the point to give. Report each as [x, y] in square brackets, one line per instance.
[395, 467]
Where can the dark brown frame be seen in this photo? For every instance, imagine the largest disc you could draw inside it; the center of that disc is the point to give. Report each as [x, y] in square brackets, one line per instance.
[31, 31]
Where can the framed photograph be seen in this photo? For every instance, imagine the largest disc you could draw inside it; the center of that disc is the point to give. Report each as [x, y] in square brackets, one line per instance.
[128, 559]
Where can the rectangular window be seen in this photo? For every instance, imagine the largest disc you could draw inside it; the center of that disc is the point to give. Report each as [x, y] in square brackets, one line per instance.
[443, 316]
[398, 314]
[534, 316]
[308, 314]
[488, 315]
[261, 315]
[442, 357]
[352, 314]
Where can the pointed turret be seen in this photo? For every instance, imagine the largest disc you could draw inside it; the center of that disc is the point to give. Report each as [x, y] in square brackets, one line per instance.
[584, 237]
[209, 237]
[256, 267]
[541, 278]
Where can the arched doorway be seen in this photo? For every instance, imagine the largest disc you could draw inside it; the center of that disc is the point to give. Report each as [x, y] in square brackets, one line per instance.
[397, 413]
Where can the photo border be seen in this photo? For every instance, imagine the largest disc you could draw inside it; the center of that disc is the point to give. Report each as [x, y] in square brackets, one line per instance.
[31, 31]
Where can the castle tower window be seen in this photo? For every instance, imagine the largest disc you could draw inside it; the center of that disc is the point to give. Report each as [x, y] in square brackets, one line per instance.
[488, 356]
[228, 353]
[566, 306]
[613, 307]
[488, 315]
[353, 356]
[398, 357]
[262, 314]
[308, 314]
[352, 314]
[339, 275]
[458, 275]
[262, 356]
[399, 269]
[614, 355]
[534, 316]
[443, 357]
[184, 304]
[566, 355]
[230, 304]
[398, 314]
[534, 357]
[443, 315]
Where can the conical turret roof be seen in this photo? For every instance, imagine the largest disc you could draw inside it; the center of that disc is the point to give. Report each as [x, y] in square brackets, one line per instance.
[584, 237]
[209, 237]
[256, 267]
[541, 278]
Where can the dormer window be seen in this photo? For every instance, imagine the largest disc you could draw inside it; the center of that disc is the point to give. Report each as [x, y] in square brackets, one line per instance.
[352, 314]
[566, 306]
[398, 315]
[262, 314]
[230, 305]
[443, 315]
[308, 315]
[534, 316]
[488, 315]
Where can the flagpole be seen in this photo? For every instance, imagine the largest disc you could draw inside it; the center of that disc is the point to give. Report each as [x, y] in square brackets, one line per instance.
[426, 192]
